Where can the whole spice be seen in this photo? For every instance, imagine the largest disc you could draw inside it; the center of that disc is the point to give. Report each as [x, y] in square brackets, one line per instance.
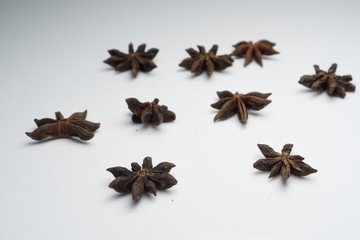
[140, 179]
[282, 163]
[139, 60]
[149, 112]
[250, 50]
[74, 126]
[334, 84]
[230, 104]
[202, 60]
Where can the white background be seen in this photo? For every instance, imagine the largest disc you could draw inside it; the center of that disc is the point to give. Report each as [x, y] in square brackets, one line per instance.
[51, 59]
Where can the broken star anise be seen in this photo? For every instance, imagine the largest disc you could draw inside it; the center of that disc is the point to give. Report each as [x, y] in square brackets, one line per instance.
[74, 126]
[202, 60]
[250, 50]
[149, 112]
[282, 163]
[230, 104]
[329, 81]
[139, 180]
[139, 60]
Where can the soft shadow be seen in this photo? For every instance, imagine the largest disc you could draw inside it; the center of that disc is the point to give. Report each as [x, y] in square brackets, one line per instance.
[108, 69]
[312, 92]
[76, 140]
[252, 113]
[268, 58]
[141, 126]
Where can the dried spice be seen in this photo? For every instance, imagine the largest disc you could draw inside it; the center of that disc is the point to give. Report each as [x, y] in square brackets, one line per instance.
[202, 60]
[251, 51]
[282, 163]
[230, 104]
[74, 126]
[149, 112]
[328, 81]
[139, 60]
[140, 179]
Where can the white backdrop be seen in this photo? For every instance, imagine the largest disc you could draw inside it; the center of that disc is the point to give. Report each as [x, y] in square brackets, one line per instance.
[51, 60]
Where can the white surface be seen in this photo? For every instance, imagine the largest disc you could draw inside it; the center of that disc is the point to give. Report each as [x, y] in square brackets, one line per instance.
[51, 60]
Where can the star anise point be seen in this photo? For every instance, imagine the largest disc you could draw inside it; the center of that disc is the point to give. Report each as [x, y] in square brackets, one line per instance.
[134, 61]
[74, 126]
[149, 112]
[282, 163]
[142, 179]
[251, 51]
[201, 60]
[335, 85]
[230, 104]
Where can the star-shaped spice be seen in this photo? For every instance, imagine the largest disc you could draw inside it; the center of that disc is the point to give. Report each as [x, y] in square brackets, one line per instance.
[149, 112]
[282, 163]
[139, 60]
[230, 104]
[139, 180]
[328, 81]
[202, 60]
[251, 51]
[74, 126]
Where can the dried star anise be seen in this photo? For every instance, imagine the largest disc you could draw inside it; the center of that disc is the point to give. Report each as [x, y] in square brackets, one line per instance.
[139, 60]
[149, 112]
[250, 50]
[230, 104]
[329, 81]
[139, 180]
[74, 126]
[202, 60]
[282, 163]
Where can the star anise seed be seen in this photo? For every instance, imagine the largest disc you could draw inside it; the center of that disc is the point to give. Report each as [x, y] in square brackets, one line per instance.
[230, 104]
[139, 60]
[282, 163]
[334, 84]
[140, 179]
[251, 51]
[202, 60]
[149, 112]
[74, 126]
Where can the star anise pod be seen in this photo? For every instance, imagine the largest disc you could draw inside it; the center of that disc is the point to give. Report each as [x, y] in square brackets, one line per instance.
[282, 163]
[250, 50]
[139, 60]
[329, 81]
[202, 60]
[149, 112]
[74, 126]
[230, 104]
[140, 179]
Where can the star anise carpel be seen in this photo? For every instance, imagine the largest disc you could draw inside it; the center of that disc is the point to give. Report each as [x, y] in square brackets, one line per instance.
[140, 60]
[140, 179]
[149, 112]
[201, 60]
[74, 126]
[328, 81]
[230, 104]
[282, 163]
[251, 51]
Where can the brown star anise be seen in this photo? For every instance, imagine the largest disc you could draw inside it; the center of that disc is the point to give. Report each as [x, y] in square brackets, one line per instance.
[149, 112]
[230, 104]
[139, 60]
[329, 81]
[74, 126]
[202, 60]
[250, 50]
[139, 180]
[282, 163]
